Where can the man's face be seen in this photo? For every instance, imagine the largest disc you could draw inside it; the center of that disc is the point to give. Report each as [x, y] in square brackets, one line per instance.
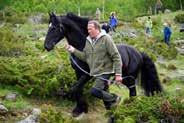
[92, 31]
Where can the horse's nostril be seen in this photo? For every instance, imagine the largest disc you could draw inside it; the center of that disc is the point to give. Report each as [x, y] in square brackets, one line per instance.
[46, 47]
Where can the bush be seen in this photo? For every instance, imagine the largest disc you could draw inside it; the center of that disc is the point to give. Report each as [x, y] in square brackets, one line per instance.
[151, 109]
[35, 72]
[11, 45]
[10, 15]
[179, 18]
[52, 115]
[35, 75]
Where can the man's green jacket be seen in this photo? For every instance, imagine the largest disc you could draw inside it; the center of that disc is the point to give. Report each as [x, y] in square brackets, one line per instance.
[101, 55]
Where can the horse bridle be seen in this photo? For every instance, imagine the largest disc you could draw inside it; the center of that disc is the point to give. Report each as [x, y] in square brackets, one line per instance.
[60, 27]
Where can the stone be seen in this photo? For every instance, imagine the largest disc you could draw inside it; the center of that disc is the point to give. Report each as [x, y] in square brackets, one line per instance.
[3, 109]
[11, 96]
[167, 11]
[33, 117]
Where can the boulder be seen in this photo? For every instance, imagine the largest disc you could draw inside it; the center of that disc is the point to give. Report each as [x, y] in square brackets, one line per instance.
[33, 117]
[167, 11]
[11, 96]
[3, 110]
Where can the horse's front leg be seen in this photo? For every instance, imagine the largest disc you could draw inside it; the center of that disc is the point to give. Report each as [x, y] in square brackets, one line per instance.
[82, 105]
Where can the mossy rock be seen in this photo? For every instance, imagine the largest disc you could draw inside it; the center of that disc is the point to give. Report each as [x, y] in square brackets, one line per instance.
[172, 67]
[166, 79]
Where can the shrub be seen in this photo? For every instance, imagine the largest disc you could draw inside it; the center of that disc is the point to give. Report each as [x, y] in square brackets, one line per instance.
[151, 109]
[35, 72]
[179, 18]
[35, 75]
[52, 115]
[11, 45]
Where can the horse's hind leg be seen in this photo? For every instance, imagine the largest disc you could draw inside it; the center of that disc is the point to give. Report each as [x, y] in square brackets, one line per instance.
[132, 91]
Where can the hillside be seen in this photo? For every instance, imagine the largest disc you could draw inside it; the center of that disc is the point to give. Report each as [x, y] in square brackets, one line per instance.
[30, 77]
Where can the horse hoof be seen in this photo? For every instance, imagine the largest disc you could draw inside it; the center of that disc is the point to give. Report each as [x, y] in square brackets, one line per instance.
[77, 113]
[111, 119]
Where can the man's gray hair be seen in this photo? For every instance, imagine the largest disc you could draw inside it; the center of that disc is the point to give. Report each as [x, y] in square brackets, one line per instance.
[96, 24]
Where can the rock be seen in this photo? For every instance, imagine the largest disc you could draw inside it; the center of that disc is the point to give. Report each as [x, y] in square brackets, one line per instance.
[129, 33]
[42, 38]
[36, 111]
[166, 79]
[3, 109]
[167, 11]
[33, 117]
[180, 50]
[180, 46]
[36, 19]
[11, 96]
[172, 67]
[182, 101]
[178, 89]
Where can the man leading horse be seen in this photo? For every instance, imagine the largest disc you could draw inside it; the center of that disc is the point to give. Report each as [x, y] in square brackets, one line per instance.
[104, 60]
[74, 29]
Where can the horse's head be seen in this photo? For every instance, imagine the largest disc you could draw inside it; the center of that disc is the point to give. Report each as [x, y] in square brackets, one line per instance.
[55, 32]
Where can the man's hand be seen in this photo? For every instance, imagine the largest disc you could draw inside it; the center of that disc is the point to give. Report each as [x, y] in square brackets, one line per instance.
[69, 48]
[118, 79]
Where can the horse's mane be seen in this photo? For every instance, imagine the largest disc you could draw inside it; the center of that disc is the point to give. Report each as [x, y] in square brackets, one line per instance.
[81, 22]
[76, 29]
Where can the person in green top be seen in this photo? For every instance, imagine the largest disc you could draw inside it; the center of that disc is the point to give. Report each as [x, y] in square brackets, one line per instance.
[104, 60]
[148, 26]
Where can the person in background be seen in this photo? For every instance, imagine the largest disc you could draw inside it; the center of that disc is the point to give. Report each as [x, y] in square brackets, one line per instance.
[106, 27]
[148, 26]
[113, 21]
[104, 60]
[98, 14]
[158, 6]
[167, 33]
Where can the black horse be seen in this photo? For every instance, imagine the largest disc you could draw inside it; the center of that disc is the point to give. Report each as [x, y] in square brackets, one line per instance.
[74, 29]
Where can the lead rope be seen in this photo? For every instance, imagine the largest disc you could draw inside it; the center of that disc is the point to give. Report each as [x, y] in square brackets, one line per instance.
[107, 80]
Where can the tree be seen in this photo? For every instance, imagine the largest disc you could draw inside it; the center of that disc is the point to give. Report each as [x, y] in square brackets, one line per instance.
[150, 4]
[181, 7]
[78, 5]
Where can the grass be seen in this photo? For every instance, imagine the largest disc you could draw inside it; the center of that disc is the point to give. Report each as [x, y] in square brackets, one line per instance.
[18, 104]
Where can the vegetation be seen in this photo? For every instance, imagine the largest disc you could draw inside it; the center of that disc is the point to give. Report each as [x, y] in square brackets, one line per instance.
[23, 64]
[88, 8]
[30, 71]
[151, 109]
[179, 18]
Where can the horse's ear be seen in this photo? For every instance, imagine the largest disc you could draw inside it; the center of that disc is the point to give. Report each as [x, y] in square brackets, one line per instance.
[49, 14]
[69, 14]
[53, 14]
[53, 18]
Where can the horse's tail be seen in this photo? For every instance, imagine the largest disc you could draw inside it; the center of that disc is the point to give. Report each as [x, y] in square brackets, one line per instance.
[149, 76]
